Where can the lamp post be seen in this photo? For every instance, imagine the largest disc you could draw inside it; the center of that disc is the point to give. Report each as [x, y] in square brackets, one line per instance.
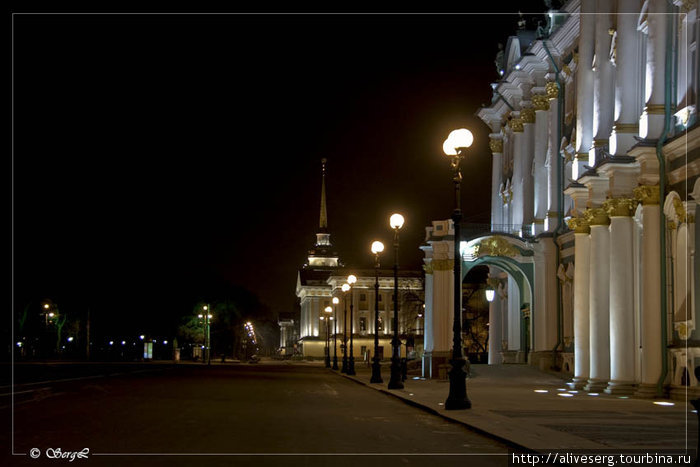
[336, 300]
[345, 288]
[207, 332]
[328, 311]
[395, 382]
[454, 147]
[351, 359]
[377, 247]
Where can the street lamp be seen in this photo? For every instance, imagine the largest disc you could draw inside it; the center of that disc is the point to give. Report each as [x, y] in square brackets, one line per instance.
[454, 147]
[490, 294]
[207, 335]
[395, 382]
[377, 247]
[328, 310]
[336, 300]
[351, 359]
[345, 288]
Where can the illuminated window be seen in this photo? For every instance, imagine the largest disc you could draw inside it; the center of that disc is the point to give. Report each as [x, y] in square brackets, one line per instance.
[363, 324]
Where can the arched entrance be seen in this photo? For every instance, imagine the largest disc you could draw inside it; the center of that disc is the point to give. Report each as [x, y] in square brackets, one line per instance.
[511, 313]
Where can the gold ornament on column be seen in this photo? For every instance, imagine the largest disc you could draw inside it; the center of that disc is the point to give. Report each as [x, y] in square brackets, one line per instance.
[597, 216]
[647, 194]
[516, 124]
[579, 225]
[620, 207]
[496, 145]
[527, 115]
[552, 90]
[540, 102]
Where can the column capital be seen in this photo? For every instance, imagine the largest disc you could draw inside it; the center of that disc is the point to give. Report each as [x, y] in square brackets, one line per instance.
[620, 207]
[579, 225]
[496, 144]
[540, 102]
[647, 194]
[552, 90]
[527, 115]
[516, 124]
[596, 216]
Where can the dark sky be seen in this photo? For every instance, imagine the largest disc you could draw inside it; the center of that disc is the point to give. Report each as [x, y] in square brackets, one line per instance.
[155, 155]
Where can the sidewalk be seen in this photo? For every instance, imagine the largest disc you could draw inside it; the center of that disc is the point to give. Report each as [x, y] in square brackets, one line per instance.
[506, 406]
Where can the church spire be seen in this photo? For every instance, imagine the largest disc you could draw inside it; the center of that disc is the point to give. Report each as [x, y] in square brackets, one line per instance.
[323, 220]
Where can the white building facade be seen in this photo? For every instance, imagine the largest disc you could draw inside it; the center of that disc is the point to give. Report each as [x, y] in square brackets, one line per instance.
[596, 156]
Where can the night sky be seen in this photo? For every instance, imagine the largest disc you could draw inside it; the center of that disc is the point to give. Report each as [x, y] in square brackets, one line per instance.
[155, 155]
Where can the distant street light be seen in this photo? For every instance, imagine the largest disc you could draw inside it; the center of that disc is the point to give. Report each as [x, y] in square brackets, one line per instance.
[455, 147]
[395, 380]
[345, 288]
[328, 310]
[207, 332]
[351, 359]
[336, 300]
[377, 247]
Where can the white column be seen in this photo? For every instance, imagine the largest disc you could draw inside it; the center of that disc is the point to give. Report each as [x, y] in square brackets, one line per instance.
[513, 315]
[428, 312]
[528, 117]
[553, 188]
[599, 300]
[622, 351]
[541, 105]
[517, 203]
[603, 76]
[582, 344]
[651, 123]
[495, 325]
[627, 68]
[651, 295]
[496, 145]
[584, 88]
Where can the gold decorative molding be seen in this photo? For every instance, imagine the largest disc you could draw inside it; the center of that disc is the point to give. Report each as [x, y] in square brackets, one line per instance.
[496, 145]
[596, 216]
[575, 58]
[551, 214]
[654, 109]
[516, 124]
[647, 194]
[599, 143]
[495, 246]
[428, 268]
[620, 207]
[566, 69]
[527, 115]
[671, 225]
[579, 225]
[626, 127]
[443, 264]
[581, 156]
[552, 90]
[540, 102]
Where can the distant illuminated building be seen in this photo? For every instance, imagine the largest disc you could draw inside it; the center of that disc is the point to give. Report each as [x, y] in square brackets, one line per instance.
[321, 278]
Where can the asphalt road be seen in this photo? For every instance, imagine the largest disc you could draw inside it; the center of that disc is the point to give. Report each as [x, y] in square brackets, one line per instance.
[242, 415]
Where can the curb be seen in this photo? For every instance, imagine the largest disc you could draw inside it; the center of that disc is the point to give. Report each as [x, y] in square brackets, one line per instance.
[432, 411]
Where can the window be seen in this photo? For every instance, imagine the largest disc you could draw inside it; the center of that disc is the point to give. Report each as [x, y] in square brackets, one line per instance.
[363, 324]
[380, 298]
[381, 323]
[363, 297]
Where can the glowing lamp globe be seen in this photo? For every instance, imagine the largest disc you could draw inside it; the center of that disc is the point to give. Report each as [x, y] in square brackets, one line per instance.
[336, 300]
[396, 221]
[377, 247]
[352, 279]
[490, 294]
[328, 309]
[458, 139]
[345, 287]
